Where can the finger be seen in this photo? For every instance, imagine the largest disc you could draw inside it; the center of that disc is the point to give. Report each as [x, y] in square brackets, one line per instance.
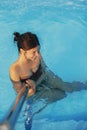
[30, 82]
[30, 85]
[27, 86]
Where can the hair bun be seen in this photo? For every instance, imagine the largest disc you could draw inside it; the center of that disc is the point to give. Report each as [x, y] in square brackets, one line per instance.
[16, 36]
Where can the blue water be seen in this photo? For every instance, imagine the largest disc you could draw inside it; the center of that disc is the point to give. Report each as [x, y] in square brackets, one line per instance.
[61, 26]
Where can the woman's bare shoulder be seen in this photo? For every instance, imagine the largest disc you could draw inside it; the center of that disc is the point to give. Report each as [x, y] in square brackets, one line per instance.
[14, 72]
[14, 66]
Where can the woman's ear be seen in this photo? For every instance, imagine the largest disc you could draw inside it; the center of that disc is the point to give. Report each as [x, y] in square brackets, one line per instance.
[22, 51]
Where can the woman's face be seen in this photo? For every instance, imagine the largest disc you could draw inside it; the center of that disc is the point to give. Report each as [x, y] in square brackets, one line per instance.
[33, 54]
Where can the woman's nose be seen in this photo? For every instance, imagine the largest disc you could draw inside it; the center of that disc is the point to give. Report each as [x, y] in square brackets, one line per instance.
[37, 53]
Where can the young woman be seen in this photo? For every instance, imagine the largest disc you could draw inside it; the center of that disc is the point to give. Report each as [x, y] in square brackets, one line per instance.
[30, 70]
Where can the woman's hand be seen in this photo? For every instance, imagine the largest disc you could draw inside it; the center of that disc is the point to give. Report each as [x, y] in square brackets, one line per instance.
[31, 84]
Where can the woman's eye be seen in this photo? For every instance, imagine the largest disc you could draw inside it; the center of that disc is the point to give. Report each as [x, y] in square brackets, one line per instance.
[33, 52]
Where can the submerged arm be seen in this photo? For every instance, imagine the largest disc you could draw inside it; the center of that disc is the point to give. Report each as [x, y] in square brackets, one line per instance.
[43, 75]
[41, 78]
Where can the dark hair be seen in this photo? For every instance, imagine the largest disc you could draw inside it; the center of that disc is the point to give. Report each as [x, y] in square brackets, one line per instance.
[26, 40]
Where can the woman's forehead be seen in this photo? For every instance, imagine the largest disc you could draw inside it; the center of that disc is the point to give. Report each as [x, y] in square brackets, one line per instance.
[35, 48]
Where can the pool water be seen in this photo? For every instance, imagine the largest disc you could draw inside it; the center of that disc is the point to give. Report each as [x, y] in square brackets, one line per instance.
[61, 26]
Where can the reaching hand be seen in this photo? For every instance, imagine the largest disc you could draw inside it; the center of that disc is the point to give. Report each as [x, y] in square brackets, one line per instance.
[31, 84]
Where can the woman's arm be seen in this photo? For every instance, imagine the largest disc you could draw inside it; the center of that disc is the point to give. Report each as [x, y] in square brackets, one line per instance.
[43, 75]
[41, 78]
[18, 86]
